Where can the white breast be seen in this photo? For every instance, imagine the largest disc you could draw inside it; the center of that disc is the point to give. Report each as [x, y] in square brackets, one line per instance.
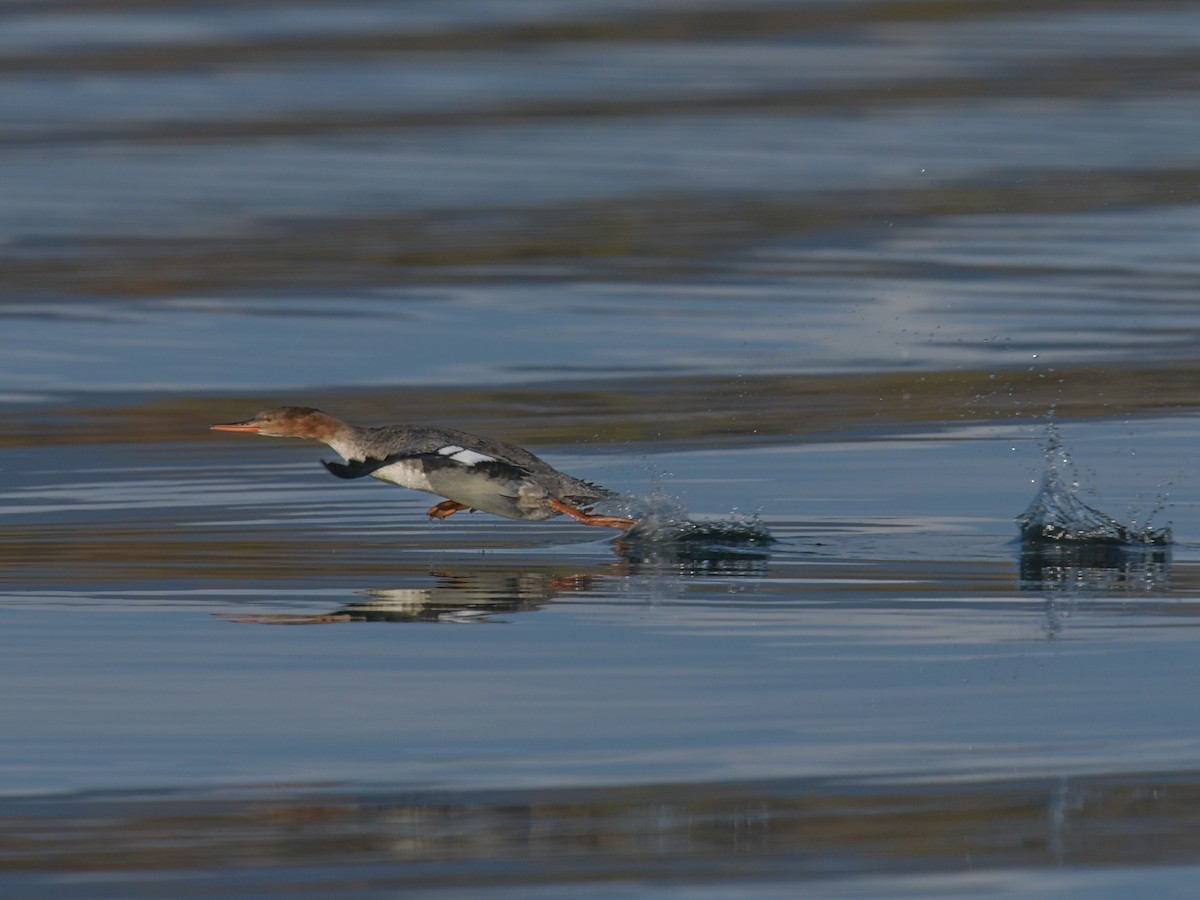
[406, 473]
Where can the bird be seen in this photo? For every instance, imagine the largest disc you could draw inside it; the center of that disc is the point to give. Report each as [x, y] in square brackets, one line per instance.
[470, 471]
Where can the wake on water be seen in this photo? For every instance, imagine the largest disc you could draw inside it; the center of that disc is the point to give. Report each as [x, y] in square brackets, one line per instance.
[666, 532]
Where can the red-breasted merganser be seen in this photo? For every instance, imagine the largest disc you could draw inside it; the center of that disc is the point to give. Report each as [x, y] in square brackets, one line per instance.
[472, 472]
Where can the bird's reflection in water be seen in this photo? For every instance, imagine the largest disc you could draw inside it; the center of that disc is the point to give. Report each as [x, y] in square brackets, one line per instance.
[454, 597]
[480, 595]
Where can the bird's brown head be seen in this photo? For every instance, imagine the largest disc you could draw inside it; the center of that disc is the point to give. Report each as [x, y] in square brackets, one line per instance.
[286, 421]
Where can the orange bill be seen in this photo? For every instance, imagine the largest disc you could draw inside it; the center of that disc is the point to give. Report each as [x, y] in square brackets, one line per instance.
[251, 427]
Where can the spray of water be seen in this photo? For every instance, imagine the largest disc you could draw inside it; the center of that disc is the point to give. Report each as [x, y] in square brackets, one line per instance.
[1057, 515]
[666, 531]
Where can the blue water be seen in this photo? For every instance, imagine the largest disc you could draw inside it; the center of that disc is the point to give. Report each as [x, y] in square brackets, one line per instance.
[818, 271]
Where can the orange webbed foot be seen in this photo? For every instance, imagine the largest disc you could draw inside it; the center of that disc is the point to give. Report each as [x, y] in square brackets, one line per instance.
[587, 517]
[444, 509]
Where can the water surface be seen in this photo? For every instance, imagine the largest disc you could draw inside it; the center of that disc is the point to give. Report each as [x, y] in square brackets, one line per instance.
[827, 268]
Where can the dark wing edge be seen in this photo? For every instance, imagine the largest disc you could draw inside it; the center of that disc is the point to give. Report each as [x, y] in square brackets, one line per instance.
[355, 468]
[600, 489]
[493, 468]
[434, 462]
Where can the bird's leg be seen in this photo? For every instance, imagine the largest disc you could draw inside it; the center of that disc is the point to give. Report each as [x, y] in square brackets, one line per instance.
[584, 517]
[445, 508]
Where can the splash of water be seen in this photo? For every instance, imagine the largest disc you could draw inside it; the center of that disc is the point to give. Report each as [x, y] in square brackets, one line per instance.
[1057, 515]
[666, 532]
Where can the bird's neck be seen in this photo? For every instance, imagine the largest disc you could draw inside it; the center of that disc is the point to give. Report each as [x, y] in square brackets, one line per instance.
[348, 440]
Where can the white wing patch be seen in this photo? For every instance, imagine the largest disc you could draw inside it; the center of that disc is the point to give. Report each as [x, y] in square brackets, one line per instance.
[465, 456]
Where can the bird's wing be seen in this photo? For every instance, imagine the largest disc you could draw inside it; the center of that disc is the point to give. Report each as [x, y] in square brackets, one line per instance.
[447, 461]
[473, 484]
[355, 468]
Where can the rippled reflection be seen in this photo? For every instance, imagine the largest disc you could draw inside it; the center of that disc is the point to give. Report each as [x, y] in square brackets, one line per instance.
[1094, 569]
[725, 834]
